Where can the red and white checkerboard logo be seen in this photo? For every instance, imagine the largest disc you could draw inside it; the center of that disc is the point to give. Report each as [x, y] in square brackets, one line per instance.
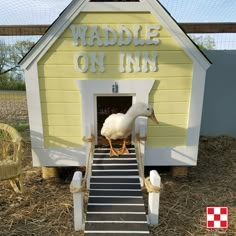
[217, 217]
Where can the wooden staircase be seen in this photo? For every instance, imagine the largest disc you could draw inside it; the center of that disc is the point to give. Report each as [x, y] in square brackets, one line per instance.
[115, 204]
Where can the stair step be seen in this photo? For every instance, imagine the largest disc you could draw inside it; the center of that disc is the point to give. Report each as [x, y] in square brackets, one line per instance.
[116, 217]
[114, 167]
[114, 180]
[114, 161]
[115, 186]
[114, 193]
[107, 150]
[107, 155]
[115, 146]
[115, 173]
[116, 200]
[116, 208]
[116, 227]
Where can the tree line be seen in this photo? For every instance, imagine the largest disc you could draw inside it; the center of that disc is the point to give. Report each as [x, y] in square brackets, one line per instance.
[11, 76]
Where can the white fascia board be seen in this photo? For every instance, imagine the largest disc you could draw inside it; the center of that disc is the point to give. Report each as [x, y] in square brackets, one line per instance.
[177, 33]
[53, 33]
[115, 7]
[34, 106]
[171, 156]
[196, 104]
[59, 156]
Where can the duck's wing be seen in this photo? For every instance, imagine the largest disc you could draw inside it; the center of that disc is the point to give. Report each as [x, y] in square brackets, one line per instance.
[111, 124]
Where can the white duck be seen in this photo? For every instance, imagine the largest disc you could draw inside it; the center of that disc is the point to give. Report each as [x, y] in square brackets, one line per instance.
[120, 126]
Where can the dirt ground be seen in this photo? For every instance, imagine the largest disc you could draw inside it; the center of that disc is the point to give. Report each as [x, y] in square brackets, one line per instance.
[45, 208]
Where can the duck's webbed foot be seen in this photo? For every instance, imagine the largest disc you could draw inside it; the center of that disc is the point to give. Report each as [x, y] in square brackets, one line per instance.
[123, 149]
[113, 152]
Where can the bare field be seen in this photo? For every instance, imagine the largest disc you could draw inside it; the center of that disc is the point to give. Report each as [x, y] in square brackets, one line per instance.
[13, 107]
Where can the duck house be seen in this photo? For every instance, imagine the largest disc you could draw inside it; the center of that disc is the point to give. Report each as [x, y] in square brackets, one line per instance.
[99, 58]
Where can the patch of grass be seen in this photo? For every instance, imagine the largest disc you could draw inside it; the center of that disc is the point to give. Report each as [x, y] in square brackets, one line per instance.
[21, 127]
[12, 96]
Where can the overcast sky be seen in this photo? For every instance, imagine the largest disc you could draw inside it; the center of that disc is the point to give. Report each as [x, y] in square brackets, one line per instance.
[46, 11]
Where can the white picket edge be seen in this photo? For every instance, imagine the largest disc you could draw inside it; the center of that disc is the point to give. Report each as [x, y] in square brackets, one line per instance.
[154, 198]
[77, 201]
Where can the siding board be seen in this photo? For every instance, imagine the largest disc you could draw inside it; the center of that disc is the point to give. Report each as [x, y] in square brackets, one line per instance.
[112, 58]
[66, 120]
[60, 96]
[66, 44]
[61, 108]
[113, 72]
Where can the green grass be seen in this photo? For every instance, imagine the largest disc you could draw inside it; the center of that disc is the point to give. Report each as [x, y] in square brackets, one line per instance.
[12, 95]
[20, 127]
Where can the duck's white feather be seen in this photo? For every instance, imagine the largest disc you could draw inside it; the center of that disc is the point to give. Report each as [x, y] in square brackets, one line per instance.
[120, 126]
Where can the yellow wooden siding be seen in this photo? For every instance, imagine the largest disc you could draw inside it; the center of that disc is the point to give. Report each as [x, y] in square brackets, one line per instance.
[112, 58]
[115, 18]
[166, 131]
[69, 84]
[60, 98]
[60, 108]
[66, 44]
[166, 141]
[115, 27]
[64, 120]
[56, 131]
[60, 141]
[112, 71]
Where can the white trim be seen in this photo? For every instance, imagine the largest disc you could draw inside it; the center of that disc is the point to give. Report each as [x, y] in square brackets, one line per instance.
[34, 106]
[89, 89]
[176, 32]
[59, 156]
[114, 7]
[171, 156]
[196, 103]
[154, 156]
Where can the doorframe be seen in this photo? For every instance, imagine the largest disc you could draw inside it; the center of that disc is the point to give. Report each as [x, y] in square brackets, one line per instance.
[89, 89]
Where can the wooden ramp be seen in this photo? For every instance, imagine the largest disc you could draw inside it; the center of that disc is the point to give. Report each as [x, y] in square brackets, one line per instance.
[115, 204]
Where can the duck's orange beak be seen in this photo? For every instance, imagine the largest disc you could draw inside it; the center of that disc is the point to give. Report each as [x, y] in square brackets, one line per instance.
[153, 118]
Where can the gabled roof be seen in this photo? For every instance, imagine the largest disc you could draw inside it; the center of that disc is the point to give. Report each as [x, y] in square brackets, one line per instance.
[77, 6]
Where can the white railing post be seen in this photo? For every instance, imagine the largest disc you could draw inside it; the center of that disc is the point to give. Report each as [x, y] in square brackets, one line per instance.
[154, 198]
[140, 130]
[88, 146]
[78, 200]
